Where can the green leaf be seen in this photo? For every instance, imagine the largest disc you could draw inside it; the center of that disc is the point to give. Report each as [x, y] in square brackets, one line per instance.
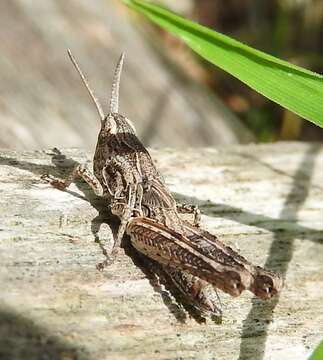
[291, 86]
[318, 353]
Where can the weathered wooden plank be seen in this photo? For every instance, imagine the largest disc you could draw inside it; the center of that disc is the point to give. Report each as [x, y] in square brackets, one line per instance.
[265, 200]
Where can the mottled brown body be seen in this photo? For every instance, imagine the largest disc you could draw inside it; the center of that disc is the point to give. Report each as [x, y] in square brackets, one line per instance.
[202, 254]
[125, 174]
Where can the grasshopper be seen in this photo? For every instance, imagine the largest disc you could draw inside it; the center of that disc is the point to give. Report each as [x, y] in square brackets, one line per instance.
[125, 174]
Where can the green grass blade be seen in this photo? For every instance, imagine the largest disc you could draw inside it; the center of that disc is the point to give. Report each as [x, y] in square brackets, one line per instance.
[318, 353]
[291, 86]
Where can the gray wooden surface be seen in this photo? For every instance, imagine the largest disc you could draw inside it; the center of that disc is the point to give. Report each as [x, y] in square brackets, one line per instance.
[41, 96]
[266, 200]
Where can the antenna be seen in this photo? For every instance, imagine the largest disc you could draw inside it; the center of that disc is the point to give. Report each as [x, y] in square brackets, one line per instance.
[114, 100]
[95, 100]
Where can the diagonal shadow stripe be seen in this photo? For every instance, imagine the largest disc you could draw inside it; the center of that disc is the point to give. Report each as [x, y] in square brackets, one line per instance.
[260, 221]
[302, 174]
[253, 338]
[21, 338]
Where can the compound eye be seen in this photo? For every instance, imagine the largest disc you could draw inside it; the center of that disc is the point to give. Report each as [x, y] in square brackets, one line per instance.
[264, 287]
[236, 284]
[269, 289]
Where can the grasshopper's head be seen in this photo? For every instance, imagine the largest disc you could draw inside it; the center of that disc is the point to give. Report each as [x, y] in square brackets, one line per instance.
[115, 123]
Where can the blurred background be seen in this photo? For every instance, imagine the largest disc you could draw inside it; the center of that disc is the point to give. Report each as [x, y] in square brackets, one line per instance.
[173, 97]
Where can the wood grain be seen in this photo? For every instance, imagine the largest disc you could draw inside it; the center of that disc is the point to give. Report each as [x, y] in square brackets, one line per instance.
[264, 200]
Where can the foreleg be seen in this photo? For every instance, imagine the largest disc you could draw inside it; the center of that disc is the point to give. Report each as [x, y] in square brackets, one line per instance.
[79, 171]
